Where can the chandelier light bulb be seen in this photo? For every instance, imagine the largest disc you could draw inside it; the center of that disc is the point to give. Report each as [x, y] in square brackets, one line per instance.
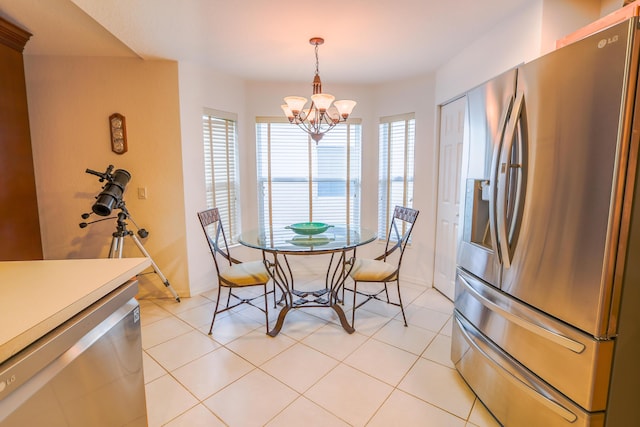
[295, 103]
[322, 101]
[333, 114]
[287, 111]
[345, 107]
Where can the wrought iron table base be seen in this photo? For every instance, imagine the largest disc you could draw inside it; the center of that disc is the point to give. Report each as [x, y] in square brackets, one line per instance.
[282, 276]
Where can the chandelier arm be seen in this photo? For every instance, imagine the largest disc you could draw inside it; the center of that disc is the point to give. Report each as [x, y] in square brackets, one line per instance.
[304, 114]
[313, 130]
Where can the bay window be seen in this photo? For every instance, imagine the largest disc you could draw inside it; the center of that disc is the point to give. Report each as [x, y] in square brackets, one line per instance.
[300, 180]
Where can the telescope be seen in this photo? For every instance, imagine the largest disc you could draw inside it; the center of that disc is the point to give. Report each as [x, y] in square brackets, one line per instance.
[111, 196]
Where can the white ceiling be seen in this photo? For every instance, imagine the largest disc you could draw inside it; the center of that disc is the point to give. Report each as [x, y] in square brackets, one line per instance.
[366, 41]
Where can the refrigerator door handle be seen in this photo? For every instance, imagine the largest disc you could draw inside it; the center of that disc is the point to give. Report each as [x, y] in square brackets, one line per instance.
[503, 174]
[493, 179]
[568, 343]
[518, 380]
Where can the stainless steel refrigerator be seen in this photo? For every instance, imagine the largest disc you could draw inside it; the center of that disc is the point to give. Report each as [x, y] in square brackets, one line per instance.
[547, 303]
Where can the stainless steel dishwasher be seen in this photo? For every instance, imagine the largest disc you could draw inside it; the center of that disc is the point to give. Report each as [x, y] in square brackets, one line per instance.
[86, 372]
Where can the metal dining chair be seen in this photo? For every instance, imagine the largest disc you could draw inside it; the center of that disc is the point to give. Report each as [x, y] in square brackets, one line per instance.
[232, 273]
[386, 267]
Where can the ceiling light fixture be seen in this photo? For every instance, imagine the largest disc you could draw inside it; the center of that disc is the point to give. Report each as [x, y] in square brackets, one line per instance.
[321, 116]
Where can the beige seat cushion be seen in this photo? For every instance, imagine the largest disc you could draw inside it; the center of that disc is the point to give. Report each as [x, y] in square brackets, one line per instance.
[246, 273]
[371, 270]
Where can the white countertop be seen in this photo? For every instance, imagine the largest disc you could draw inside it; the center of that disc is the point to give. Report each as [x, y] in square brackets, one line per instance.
[37, 296]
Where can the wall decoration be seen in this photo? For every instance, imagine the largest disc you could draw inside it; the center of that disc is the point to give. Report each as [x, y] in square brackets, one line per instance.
[118, 128]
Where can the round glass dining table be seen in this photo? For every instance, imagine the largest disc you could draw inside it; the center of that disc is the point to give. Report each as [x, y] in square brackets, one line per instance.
[284, 240]
[278, 243]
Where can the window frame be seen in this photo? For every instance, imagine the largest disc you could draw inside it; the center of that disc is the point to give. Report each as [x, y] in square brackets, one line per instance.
[387, 173]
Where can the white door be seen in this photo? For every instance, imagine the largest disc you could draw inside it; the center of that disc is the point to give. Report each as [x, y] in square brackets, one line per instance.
[452, 117]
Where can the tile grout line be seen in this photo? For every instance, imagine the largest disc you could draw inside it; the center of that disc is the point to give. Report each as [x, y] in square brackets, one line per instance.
[300, 340]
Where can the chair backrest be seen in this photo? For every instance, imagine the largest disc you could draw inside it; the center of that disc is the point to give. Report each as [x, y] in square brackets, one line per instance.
[400, 230]
[214, 232]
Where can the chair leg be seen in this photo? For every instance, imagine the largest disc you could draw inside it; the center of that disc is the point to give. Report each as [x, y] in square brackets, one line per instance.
[266, 306]
[275, 301]
[215, 310]
[401, 305]
[353, 311]
[229, 297]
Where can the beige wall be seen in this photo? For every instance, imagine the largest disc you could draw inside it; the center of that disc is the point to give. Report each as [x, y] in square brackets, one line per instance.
[416, 96]
[516, 40]
[608, 6]
[560, 18]
[70, 100]
[524, 36]
[202, 87]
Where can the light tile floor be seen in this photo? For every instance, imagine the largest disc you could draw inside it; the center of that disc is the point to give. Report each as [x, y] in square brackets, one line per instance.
[312, 374]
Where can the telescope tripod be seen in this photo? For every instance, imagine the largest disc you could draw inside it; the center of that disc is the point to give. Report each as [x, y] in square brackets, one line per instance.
[117, 244]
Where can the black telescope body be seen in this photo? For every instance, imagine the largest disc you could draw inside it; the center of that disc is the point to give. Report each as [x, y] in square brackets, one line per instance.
[111, 196]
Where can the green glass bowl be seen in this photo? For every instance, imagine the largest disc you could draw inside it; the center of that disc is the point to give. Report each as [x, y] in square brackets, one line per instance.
[309, 228]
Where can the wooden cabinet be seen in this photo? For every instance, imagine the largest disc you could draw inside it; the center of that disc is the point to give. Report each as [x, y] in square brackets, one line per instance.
[19, 223]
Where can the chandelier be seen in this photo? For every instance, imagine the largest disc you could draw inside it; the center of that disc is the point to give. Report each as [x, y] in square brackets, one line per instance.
[321, 116]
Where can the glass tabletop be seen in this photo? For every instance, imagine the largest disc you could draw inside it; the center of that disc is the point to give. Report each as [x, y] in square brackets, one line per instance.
[336, 238]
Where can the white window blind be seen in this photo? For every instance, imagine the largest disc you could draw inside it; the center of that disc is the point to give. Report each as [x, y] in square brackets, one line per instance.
[219, 131]
[397, 140]
[300, 181]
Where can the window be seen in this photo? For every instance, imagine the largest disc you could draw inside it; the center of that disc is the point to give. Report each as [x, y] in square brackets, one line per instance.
[300, 181]
[397, 140]
[220, 168]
